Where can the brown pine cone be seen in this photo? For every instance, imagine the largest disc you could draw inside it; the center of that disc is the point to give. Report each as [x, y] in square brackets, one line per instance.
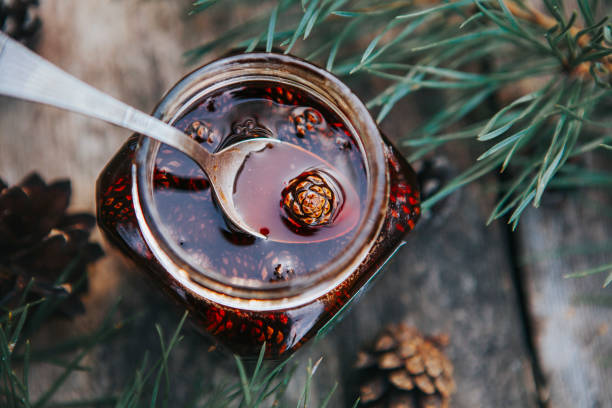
[19, 19]
[308, 122]
[42, 249]
[200, 132]
[310, 200]
[405, 370]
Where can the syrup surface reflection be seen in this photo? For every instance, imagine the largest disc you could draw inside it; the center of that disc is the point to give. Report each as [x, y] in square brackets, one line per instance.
[189, 213]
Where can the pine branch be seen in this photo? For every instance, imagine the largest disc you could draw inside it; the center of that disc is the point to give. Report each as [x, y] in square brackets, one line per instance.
[583, 37]
[417, 45]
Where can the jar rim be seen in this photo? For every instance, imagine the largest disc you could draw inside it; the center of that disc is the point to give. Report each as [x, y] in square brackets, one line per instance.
[241, 292]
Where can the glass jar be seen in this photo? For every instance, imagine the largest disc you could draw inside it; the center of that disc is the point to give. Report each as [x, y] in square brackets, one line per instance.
[243, 311]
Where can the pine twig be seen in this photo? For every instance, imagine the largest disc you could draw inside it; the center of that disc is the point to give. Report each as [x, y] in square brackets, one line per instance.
[534, 16]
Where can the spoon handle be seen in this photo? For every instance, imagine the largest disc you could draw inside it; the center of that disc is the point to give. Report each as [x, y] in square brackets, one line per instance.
[25, 75]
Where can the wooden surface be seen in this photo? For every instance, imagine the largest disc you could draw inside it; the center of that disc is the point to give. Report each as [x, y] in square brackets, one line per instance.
[570, 317]
[456, 277]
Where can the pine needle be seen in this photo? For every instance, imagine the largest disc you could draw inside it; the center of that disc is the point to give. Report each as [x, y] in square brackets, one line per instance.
[271, 28]
[244, 381]
[591, 271]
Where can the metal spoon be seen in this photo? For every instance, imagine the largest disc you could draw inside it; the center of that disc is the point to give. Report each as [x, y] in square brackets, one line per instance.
[25, 75]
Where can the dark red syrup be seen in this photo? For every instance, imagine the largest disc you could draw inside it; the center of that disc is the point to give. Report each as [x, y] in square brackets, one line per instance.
[325, 147]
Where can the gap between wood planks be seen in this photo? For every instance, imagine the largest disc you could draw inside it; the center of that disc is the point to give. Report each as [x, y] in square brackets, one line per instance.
[541, 388]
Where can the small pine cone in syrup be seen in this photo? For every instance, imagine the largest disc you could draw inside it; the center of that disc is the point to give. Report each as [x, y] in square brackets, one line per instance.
[200, 132]
[307, 121]
[405, 369]
[311, 199]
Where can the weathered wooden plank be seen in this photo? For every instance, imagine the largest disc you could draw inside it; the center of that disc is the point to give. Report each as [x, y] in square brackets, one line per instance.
[571, 325]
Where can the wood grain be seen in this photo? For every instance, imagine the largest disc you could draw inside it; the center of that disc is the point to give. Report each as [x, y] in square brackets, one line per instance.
[571, 317]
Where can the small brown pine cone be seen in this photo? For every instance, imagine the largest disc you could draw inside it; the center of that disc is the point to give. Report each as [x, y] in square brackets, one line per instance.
[43, 250]
[405, 369]
[200, 132]
[308, 122]
[19, 19]
[310, 200]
